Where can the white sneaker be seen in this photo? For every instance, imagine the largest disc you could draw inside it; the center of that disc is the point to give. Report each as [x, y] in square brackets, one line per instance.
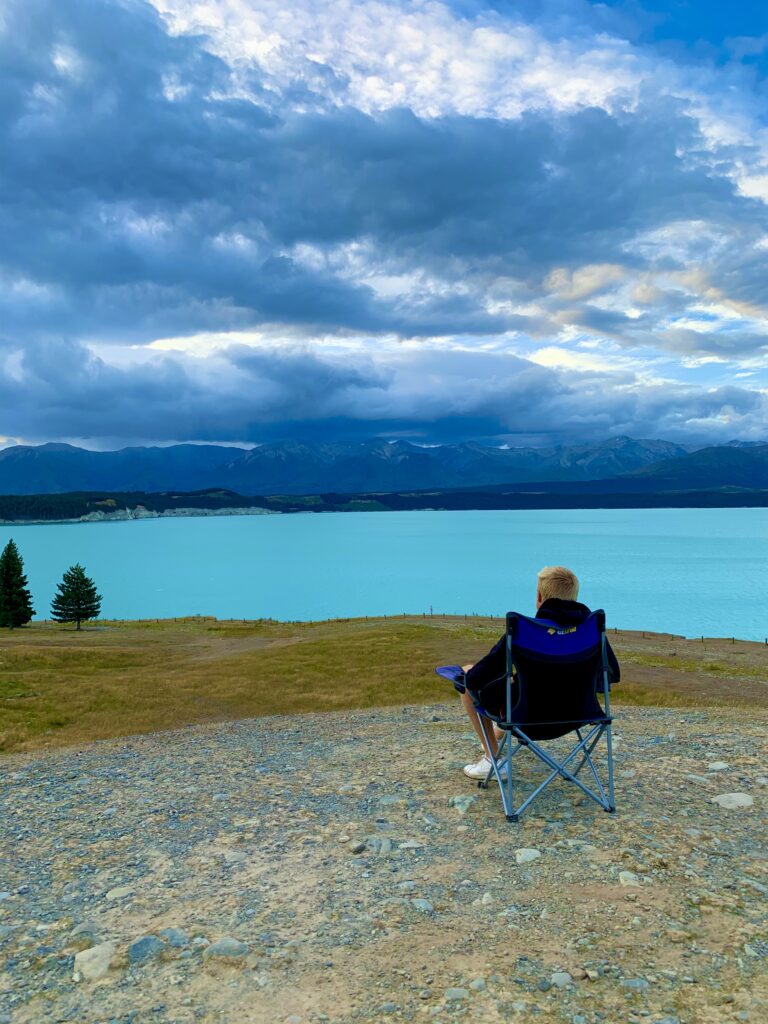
[479, 770]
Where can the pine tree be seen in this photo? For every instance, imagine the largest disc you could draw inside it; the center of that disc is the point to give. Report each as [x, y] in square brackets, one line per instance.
[76, 600]
[15, 599]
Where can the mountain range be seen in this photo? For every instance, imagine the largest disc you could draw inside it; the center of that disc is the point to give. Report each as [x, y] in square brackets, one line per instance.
[619, 464]
[302, 468]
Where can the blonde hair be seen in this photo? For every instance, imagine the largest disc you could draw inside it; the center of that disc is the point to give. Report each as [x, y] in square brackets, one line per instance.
[557, 581]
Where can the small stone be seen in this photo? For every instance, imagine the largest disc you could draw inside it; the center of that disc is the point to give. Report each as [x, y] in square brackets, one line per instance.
[387, 1007]
[462, 802]
[667, 1020]
[628, 878]
[234, 857]
[84, 935]
[718, 766]
[423, 906]
[120, 892]
[411, 844]
[478, 985]
[343, 838]
[486, 899]
[578, 973]
[294, 1019]
[359, 847]
[455, 994]
[592, 974]
[393, 800]
[94, 962]
[226, 948]
[733, 801]
[145, 948]
[525, 856]
[544, 985]
[175, 937]
[561, 979]
[636, 984]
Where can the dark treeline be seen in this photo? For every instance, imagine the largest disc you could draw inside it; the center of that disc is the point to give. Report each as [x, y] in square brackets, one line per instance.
[51, 507]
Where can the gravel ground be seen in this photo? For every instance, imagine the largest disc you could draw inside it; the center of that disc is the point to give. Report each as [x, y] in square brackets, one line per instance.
[321, 869]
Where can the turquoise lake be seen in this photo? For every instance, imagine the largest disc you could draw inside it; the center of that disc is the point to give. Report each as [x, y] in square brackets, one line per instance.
[689, 571]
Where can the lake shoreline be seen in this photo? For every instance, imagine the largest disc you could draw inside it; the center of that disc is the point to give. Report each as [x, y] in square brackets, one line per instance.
[567, 504]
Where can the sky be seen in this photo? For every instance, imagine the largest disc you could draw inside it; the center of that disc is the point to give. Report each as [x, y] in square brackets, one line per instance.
[521, 221]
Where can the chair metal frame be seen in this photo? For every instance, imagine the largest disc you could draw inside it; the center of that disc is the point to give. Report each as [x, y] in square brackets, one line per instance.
[587, 740]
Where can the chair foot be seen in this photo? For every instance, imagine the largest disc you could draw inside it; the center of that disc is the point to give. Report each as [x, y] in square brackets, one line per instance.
[513, 817]
[609, 810]
[482, 785]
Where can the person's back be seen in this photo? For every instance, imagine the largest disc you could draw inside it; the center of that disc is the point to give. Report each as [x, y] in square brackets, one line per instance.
[556, 601]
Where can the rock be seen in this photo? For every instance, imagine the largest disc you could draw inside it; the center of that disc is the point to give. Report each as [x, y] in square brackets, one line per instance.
[544, 985]
[85, 935]
[455, 994]
[145, 948]
[393, 800]
[578, 973]
[343, 838]
[525, 855]
[93, 963]
[628, 878]
[718, 766]
[592, 974]
[423, 906]
[388, 1008]
[411, 844]
[636, 984]
[561, 979]
[733, 801]
[667, 1020]
[234, 857]
[478, 985]
[121, 892]
[175, 937]
[294, 1019]
[226, 948]
[359, 847]
[462, 802]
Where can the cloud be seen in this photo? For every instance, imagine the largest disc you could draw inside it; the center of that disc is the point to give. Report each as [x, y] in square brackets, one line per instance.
[443, 190]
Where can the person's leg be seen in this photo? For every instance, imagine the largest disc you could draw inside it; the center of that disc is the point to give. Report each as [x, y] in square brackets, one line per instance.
[474, 718]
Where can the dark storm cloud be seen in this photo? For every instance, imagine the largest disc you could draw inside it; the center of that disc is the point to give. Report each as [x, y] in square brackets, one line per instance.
[66, 391]
[141, 200]
[144, 204]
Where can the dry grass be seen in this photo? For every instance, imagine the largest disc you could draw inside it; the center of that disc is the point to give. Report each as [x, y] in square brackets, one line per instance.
[59, 687]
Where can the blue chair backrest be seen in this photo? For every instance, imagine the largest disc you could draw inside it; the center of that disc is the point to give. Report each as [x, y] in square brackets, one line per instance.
[557, 669]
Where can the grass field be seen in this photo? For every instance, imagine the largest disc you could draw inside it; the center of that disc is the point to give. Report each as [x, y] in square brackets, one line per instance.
[59, 687]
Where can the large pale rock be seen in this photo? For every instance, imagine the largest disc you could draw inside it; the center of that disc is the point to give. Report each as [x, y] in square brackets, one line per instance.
[628, 879]
[733, 801]
[93, 963]
[525, 856]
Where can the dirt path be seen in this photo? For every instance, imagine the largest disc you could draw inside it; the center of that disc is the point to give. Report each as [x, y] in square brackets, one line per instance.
[329, 848]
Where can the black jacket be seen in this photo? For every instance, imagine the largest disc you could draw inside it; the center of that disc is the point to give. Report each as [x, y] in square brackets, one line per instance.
[494, 665]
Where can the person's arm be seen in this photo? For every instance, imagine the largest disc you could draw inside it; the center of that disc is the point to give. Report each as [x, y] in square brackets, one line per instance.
[492, 666]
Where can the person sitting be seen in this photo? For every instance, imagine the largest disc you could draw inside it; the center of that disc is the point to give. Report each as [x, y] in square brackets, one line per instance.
[556, 593]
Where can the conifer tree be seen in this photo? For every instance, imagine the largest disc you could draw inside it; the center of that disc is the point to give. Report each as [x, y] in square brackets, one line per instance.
[76, 600]
[15, 599]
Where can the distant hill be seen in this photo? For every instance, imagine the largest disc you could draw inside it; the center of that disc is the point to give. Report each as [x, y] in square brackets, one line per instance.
[710, 469]
[304, 468]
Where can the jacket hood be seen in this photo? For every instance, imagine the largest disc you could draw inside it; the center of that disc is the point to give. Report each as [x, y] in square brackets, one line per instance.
[563, 613]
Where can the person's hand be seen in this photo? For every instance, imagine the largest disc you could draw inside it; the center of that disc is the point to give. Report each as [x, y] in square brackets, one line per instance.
[466, 668]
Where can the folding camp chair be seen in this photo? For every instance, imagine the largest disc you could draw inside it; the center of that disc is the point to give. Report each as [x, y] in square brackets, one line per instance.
[555, 672]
